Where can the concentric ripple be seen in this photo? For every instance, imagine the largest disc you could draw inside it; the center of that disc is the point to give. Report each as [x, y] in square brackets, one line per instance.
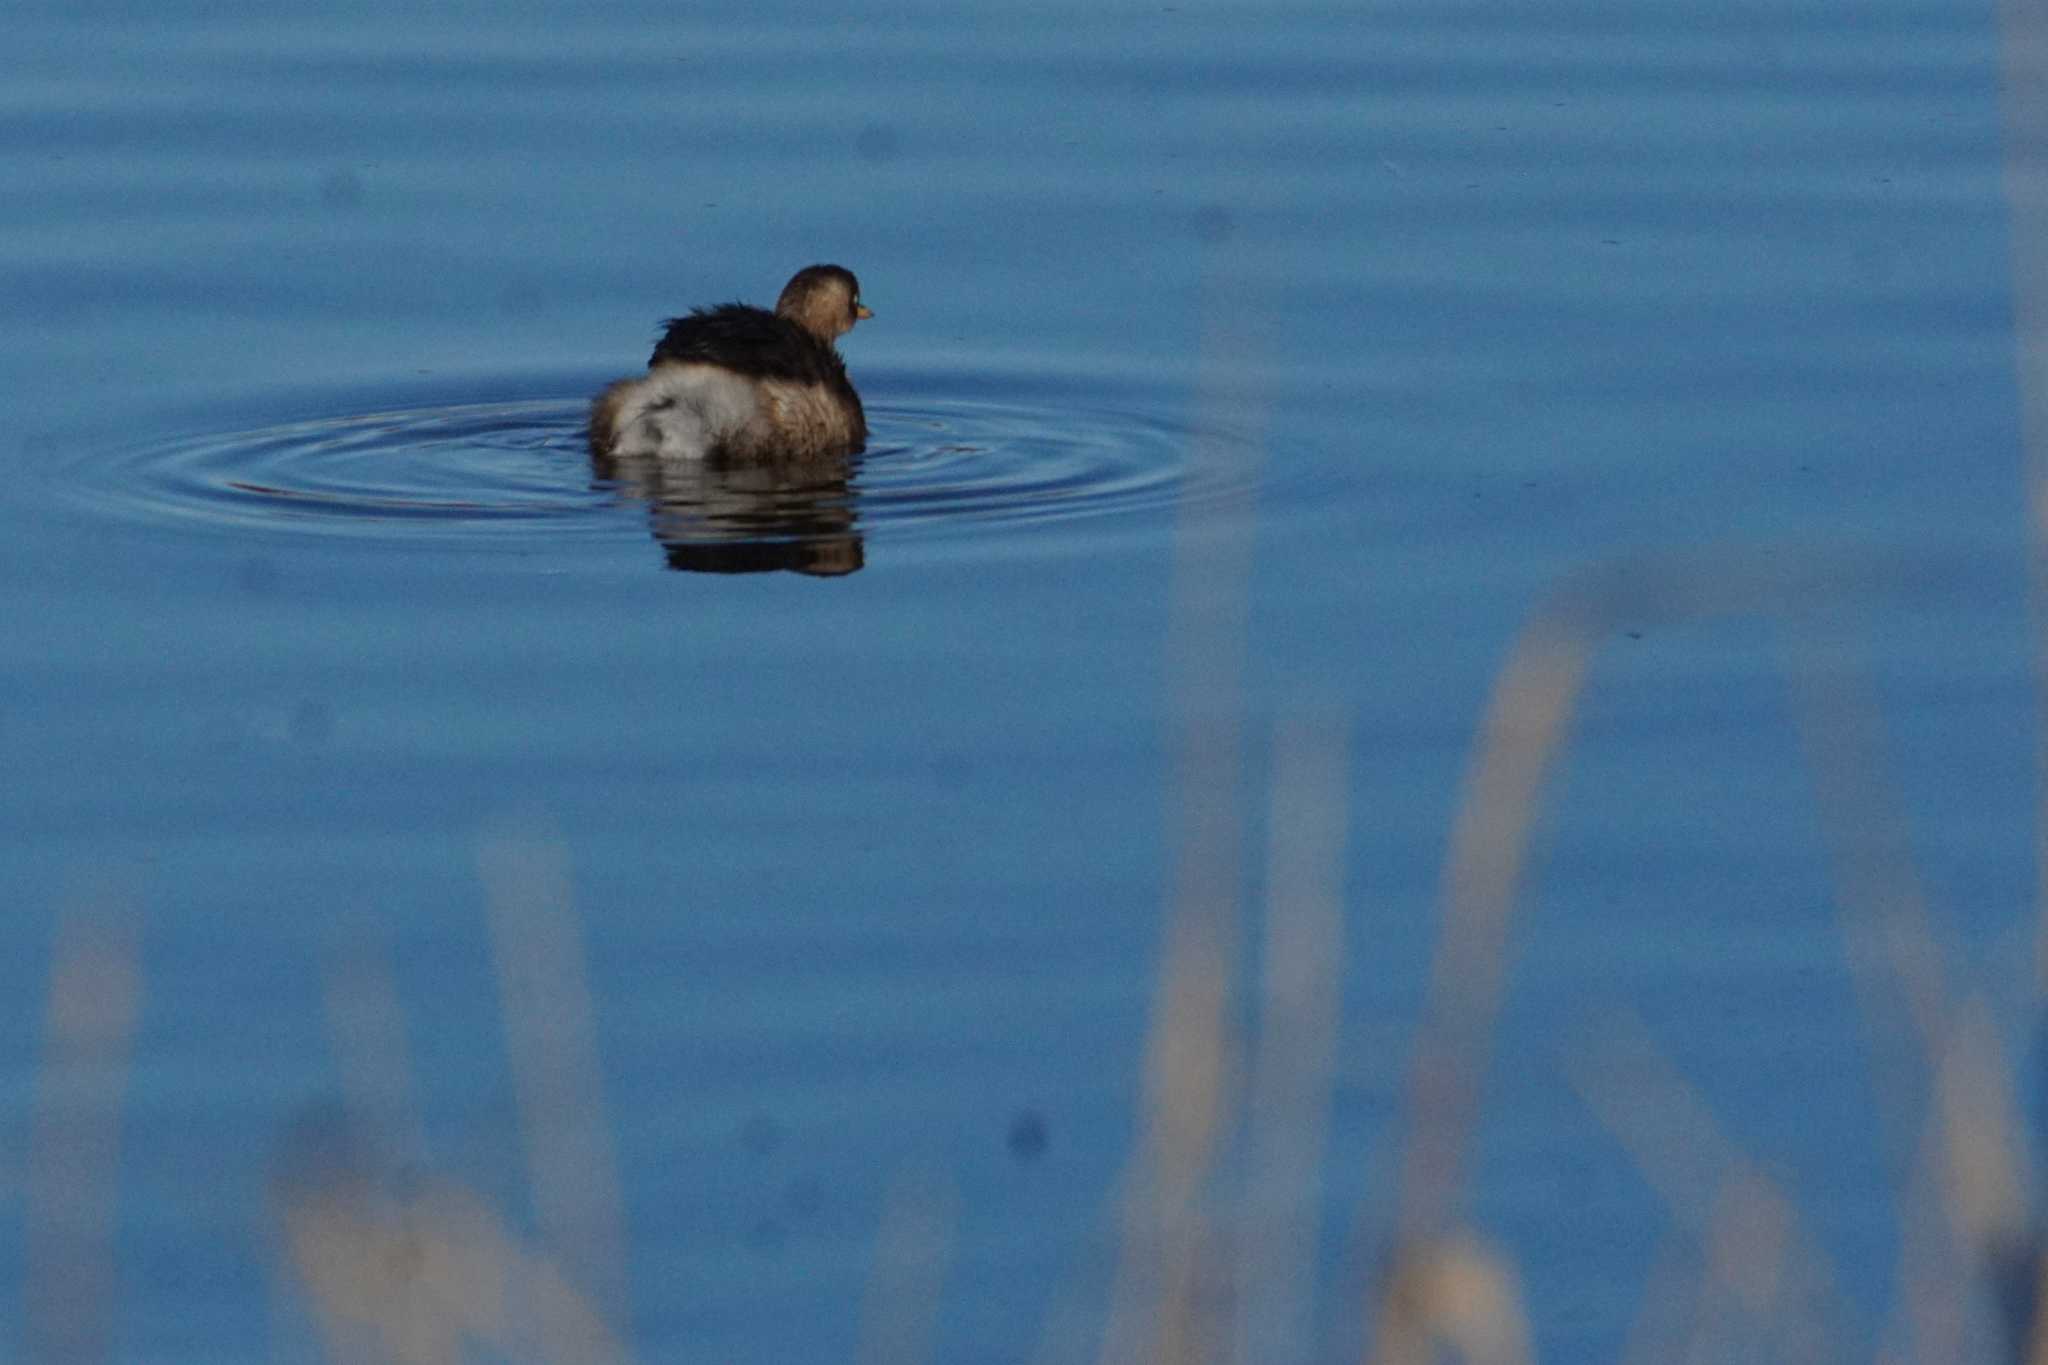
[960, 464]
[459, 470]
[936, 463]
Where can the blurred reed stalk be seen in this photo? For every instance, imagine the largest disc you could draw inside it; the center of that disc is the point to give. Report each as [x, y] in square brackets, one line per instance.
[417, 1270]
[1764, 1288]
[411, 1276]
[1294, 1061]
[1893, 950]
[1190, 1287]
[914, 1245]
[2023, 107]
[1982, 1157]
[72, 1177]
[1966, 1212]
[1522, 734]
[419, 1273]
[1159, 1311]
[1451, 1294]
[551, 1037]
[1983, 1222]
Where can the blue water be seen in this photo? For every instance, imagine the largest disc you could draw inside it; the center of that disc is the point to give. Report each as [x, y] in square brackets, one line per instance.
[1282, 361]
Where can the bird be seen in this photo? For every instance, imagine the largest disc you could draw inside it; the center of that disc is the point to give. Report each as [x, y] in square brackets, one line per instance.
[740, 385]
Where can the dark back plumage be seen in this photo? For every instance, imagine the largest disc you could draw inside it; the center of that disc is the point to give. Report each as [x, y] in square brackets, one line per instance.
[752, 342]
[743, 385]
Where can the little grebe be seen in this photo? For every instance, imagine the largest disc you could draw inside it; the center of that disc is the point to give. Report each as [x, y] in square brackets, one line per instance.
[744, 384]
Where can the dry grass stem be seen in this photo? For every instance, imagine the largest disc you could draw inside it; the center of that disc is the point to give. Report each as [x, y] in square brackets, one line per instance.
[1668, 1310]
[68, 1292]
[1457, 1295]
[907, 1273]
[551, 1038]
[1757, 1258]
[1287, 1115]
[2023, 102]
[413, 1279]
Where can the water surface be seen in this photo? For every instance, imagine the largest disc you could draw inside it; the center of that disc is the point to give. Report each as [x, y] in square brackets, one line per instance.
[1277, 362]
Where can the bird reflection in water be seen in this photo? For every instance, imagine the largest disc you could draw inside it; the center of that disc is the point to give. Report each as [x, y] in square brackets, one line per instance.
[753, 516]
